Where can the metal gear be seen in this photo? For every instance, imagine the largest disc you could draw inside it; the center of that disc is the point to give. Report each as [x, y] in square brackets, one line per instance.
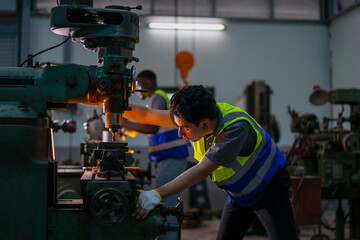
[109, 206]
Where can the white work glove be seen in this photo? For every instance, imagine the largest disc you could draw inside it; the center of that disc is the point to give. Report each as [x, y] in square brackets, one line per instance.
[147, 201]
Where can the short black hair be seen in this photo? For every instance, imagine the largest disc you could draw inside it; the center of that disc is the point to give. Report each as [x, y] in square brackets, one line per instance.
[148, 74]
[193, 104]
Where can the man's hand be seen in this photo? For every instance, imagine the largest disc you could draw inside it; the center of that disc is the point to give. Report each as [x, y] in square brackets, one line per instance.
[147, 201]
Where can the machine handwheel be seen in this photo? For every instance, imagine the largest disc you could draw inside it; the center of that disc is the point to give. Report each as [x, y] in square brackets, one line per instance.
[351, 144]
[109, 206]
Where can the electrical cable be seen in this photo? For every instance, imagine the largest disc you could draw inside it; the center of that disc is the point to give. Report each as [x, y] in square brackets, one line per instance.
[44, 51]
[296, 192]
[289, 155]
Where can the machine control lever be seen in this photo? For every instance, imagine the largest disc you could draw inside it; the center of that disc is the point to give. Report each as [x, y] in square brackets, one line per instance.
[177, 211]
[127, 8]
[140, 90]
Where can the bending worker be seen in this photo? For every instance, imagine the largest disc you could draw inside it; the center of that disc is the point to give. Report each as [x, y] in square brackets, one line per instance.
[166, 148]
[239, 156]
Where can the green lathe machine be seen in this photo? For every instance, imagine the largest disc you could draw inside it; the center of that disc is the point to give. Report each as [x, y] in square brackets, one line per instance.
[332, 152]
[29, 208]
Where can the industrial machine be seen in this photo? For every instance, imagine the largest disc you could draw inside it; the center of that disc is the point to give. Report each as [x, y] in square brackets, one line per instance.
[256, 101]
[97, 134]
[331, 151]
[29, 207]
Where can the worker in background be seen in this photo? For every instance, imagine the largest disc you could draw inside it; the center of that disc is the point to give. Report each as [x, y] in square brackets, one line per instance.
[239, 156]
[166, 149]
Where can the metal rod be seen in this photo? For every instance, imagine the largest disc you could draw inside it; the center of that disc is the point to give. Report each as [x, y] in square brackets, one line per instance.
[271, 6]
[176, 44]
[323, 6]
[152, 7]
[213, 8]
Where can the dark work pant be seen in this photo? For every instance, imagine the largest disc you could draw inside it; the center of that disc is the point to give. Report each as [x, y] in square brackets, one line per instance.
[273, 210]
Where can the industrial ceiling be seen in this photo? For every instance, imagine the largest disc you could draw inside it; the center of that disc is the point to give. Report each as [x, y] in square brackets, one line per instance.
[308, 10]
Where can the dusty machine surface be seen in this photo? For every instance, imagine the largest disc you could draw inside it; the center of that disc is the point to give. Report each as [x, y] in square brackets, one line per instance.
[29, 206]
[331, 151]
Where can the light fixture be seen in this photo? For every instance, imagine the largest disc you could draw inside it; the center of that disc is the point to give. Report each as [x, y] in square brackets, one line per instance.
[187, 26]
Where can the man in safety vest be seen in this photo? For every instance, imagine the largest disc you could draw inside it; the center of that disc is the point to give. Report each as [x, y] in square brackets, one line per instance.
[166, 148]
[239, 156]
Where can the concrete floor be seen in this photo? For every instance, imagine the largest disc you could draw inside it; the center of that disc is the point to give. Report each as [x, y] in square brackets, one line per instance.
[208, 231]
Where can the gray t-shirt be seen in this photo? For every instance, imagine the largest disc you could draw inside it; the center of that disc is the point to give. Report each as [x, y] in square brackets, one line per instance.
[237, 139]
[157, 102]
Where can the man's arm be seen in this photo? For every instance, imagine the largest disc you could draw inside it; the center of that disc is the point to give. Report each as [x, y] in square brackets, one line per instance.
[188, 178]
[148, 200]
[146, 115]
[140, 127]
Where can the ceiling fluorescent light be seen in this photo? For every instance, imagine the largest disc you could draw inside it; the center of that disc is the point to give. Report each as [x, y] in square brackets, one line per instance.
[187, 26]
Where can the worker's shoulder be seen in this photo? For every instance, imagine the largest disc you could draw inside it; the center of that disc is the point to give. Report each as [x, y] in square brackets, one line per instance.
[238, 127]
[158, 102]
[240, 123]
[156, 98]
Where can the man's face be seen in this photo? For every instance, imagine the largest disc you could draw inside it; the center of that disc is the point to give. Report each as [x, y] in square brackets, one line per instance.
[142, 83]
[189, 131]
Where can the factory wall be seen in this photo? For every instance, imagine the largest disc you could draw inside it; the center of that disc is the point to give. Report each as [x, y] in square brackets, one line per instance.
[290, 57]
[345, 52]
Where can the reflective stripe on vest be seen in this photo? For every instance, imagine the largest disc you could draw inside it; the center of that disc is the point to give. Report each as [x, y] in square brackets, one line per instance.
[165, 139]
[247, 177]
[166, 143]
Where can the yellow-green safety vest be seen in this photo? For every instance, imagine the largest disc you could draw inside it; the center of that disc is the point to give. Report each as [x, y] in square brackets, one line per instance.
[248, 176]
